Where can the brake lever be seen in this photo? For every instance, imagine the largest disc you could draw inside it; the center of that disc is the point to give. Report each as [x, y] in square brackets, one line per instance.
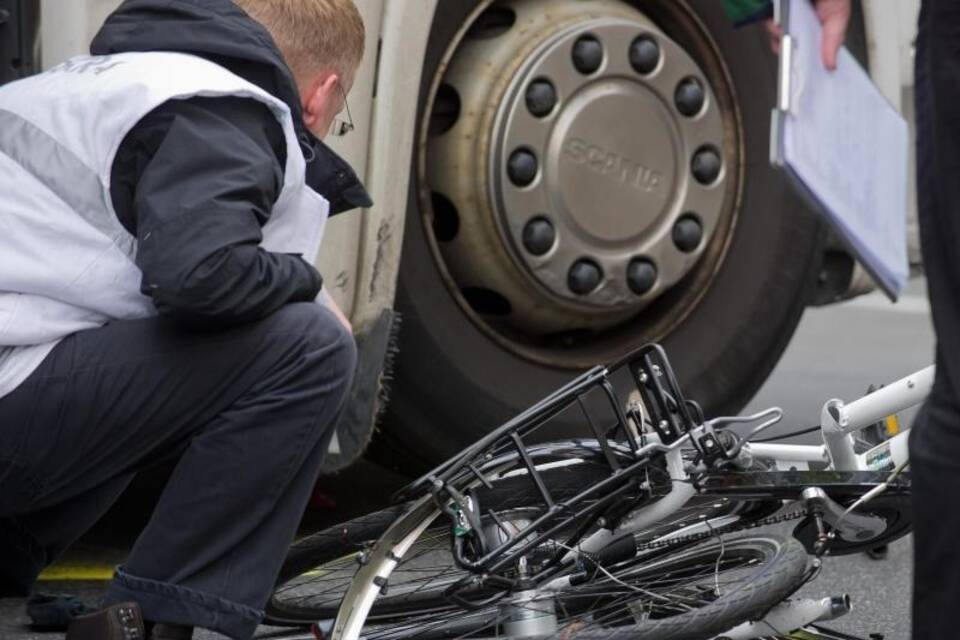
[771, 416]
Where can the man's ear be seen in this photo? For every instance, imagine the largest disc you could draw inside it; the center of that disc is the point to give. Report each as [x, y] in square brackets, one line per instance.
[317, 98]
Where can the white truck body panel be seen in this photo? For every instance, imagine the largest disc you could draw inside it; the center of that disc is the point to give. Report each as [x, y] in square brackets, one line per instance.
[891, 28]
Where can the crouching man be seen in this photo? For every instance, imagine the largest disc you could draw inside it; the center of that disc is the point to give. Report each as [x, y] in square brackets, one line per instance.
[161, 203]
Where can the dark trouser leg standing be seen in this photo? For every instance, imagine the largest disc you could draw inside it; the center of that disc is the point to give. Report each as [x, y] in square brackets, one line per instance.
[935, 439]
[249, 411]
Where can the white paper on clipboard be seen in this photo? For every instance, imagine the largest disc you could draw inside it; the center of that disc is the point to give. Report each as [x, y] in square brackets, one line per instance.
[844, 147]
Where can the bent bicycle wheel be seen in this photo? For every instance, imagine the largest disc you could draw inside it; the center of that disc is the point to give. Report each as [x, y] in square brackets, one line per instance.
[751, 574]
[319, 568]
[690, 595]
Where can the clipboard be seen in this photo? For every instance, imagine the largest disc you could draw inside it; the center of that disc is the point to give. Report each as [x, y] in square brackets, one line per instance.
[843, 147]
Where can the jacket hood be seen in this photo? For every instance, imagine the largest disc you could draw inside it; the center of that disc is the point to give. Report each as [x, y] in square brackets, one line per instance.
[221, 32]
[217, 30]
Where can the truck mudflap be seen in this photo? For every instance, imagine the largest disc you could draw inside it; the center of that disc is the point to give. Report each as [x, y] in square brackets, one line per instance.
[369, 393]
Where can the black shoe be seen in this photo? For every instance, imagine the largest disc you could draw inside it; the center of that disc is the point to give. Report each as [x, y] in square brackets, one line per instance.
[118, 622]
[53, 612]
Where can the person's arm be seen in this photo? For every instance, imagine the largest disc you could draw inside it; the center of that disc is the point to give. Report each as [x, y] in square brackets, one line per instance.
[326, 299]
[742, 12]
[208, 177]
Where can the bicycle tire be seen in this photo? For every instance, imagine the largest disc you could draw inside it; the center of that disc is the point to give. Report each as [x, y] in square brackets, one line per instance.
[784, 573]
[351, 537]
[325, 547]
[781, 570]
[336, 541]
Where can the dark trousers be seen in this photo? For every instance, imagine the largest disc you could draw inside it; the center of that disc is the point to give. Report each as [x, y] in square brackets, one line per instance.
[247, 413]
[935, 438]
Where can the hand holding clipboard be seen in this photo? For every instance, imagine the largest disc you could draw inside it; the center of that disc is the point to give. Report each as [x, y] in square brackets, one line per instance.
[843, 146]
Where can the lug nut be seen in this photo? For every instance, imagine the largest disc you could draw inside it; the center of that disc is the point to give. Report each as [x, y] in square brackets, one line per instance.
[644, 54]
[522, 167]
[584, 277]
[541, 97]
[539, 236]
[689, 97]
[687, 233]
[706, 165]
[641, 276]
[587, 55]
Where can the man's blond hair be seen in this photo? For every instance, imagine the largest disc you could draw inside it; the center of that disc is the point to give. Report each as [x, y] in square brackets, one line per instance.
[312, 34]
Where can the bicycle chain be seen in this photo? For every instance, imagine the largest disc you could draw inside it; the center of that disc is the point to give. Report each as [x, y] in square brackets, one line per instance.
[730, 528]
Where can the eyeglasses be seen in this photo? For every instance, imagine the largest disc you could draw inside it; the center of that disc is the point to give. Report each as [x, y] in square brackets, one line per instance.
[343, 127]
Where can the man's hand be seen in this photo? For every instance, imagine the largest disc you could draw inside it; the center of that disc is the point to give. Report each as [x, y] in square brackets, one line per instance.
[327, 300]
[775, 33]
[834, 17]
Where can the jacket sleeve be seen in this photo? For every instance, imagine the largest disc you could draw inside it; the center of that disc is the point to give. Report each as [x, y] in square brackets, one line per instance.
[209, 175]
[743, 12]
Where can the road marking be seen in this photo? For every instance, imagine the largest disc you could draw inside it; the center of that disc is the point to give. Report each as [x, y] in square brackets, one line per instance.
[906, 304]
[77, 571]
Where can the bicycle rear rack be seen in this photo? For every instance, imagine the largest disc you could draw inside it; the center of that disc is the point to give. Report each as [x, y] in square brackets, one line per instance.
[604, 399]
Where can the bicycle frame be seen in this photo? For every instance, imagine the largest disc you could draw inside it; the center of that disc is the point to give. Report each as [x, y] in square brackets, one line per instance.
[838, 422]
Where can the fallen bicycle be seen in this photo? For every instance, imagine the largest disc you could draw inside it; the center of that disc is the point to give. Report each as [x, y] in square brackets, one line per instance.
[652, 528]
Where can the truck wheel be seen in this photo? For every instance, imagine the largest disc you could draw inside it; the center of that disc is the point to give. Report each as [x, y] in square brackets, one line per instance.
[590, 176]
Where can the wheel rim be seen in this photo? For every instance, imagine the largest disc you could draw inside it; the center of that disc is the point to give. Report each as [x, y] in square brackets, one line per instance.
[628, 595]
[686, 584]
[514, 148]
[417, 583]
[321, 588]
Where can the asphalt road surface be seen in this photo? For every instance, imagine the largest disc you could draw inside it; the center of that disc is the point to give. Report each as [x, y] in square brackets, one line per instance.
[837, 352]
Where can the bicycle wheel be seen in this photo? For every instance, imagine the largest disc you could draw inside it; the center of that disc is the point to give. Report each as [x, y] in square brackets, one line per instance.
[319, 569]
[690, 595]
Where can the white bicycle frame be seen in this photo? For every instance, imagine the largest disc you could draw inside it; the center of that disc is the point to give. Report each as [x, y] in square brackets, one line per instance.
[838, 422]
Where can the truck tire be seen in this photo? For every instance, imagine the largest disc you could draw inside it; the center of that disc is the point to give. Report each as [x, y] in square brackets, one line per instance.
[470, 353]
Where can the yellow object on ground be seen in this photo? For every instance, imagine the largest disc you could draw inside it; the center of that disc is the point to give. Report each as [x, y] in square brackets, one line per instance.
[77, 571]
